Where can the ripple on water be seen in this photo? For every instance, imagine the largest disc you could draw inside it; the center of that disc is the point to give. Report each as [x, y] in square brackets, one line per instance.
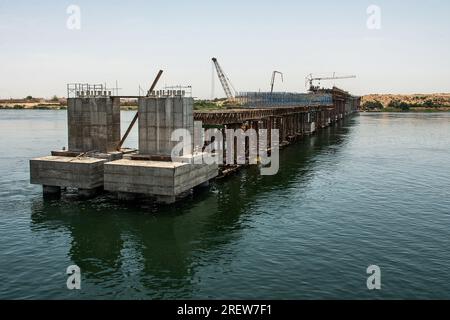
[374, 190]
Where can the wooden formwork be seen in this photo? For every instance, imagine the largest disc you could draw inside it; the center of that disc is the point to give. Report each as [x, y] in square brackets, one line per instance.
[292, 122]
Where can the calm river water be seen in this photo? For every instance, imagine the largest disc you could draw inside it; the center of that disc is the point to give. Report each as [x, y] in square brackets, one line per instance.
[372, 190]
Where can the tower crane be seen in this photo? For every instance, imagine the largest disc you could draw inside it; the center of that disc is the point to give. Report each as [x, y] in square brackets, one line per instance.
[310, 79]
[226, 83]
[272, 83]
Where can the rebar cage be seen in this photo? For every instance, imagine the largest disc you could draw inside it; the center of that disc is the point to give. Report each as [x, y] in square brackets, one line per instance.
[86, 90]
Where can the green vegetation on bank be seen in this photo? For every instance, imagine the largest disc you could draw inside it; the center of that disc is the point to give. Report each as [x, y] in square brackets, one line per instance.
[372, 105]
[201, 105]
[34, 107]
[402, 106]
[205, 105]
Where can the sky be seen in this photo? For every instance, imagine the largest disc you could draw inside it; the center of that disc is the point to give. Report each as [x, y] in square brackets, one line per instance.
[129, 41]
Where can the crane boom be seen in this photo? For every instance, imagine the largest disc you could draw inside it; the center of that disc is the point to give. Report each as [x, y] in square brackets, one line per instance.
[272, 83]
[223, 80]
[136, 116]
[333, 78]
[310, 79]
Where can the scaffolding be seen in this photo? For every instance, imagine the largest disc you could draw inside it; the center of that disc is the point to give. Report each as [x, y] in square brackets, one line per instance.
[283, 99]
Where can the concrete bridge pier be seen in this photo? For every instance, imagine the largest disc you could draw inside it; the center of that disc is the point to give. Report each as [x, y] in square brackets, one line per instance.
[153, 172]
[51, 191]
[93, 134]
[88, 193]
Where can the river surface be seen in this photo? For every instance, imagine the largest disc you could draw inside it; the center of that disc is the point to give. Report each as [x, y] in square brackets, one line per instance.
[373, 190]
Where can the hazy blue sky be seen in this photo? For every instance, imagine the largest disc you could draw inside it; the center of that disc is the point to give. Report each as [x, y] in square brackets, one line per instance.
[130, 40]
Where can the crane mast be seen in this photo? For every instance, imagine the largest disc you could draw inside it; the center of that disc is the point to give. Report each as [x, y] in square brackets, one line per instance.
[223, 80]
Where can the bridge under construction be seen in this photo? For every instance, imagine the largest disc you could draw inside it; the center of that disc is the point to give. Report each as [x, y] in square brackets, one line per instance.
[95, 160]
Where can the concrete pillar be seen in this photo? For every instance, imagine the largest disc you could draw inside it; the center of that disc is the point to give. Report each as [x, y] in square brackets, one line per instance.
[126, 196]
[88, 193]
[158, 118]
[198, 137]
[51, 191]
[204, 187]
[205, 184]
[93, 124]
[166, 199]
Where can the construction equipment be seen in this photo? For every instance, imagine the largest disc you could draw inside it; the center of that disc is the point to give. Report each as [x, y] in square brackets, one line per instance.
[152, 87]
[310, 79]
[226, 83]
[272, 83]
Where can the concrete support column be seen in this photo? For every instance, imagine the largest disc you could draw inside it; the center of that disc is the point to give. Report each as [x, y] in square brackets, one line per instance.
[88, 193]
[51, 191]
[202, 187]
[126, 196]
[205, 184]
[166, 199]
[158, 118]
[93, 124]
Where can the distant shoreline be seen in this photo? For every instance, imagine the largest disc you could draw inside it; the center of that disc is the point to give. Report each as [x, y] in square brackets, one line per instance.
[135, 108]
[411, 110]
[439, 102]
[61, 104]
[51, 107]
[424, 103]
[126, 106]
[37, 107]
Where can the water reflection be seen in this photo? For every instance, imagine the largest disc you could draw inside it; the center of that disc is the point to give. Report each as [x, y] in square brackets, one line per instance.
[161, 247]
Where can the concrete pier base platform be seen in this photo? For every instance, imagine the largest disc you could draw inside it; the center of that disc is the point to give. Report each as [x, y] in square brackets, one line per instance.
[51, 192]
[88, 193]
[203, 185]
[126, 196]
[166, 199]
[55, 172]
[164, 180]
[311, 128]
